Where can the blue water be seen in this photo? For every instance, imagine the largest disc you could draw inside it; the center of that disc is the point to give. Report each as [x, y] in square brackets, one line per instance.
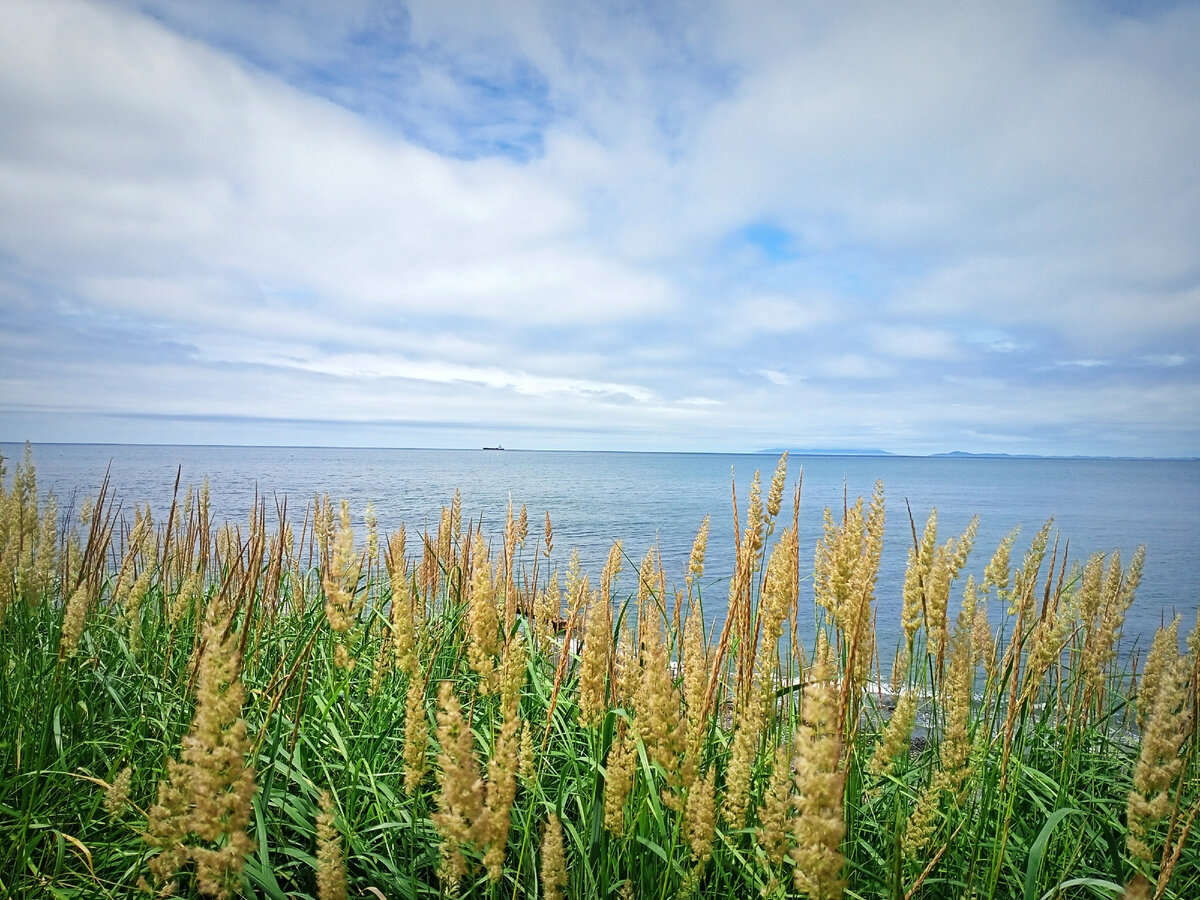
[649, 498]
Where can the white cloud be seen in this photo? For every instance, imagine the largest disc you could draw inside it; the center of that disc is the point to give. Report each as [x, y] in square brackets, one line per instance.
[776, 377]
[537, 213]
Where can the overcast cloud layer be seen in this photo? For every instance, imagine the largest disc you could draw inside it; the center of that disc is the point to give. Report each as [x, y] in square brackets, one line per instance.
[690, 226]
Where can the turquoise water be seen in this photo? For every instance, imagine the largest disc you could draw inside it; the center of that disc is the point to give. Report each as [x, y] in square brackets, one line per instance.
[649, 498]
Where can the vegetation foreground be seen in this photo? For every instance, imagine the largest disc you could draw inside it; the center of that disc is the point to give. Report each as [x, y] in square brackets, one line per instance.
[248, 709]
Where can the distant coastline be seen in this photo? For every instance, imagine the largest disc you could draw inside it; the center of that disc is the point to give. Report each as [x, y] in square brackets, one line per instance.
[794, 451]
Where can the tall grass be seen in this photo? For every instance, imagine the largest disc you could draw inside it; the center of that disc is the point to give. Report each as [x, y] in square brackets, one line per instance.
[284, 707]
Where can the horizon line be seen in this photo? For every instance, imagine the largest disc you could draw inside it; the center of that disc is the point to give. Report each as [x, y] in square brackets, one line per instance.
[837, 453]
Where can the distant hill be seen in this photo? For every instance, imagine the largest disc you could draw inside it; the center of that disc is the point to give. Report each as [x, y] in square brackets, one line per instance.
[962, 454]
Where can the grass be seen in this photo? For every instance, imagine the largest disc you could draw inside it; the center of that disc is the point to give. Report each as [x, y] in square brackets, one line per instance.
[280, 708]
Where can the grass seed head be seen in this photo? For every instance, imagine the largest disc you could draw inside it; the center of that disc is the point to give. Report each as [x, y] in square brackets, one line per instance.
[819, 823]
[594, 664]
[416, 734]
[483, 618]
[620, 769]
[897, 736]
[1166, 725]
[74, 619]
[205, 803]
[554, 862]
[775, 813]
[460, 799]
[696, 560]
[737, 776]
[491, 831]
[699, 816]
[331, 866]
[116, 796]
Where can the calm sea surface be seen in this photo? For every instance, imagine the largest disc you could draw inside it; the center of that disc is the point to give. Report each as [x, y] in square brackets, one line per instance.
[647, 498]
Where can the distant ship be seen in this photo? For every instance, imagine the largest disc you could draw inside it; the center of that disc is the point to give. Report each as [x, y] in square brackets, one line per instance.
[497, 447]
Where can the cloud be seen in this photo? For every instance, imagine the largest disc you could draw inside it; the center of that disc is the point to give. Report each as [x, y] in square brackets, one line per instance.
[776, 377]
[859, 225]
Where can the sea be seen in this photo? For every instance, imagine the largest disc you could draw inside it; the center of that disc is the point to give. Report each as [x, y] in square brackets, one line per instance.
[660, 499]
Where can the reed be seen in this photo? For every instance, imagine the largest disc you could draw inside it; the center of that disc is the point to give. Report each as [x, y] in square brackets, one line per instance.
[277, 708]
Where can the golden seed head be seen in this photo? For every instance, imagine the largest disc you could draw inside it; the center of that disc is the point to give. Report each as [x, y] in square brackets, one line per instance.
[619, 771]
[646, 582]
[1138, 888]
[1163, 653]
[116, 796]
[340, 579]
[695, 664]
[444, 539]
[955, 747]
[700, 817]
[549, 608]
[778, 592]
[658, 702]
[752, 536]
[1046, 645]
[593, 664]
[205, 802]
[775, 494]
[342, 658]
[696, 560]
[916, 577]
[819, 823]
[612, 568]
[896, 737]
[396, 563]
[574, 593]
[331, 867]
[460, 799]
[775, 814]
[997, 574]
[372, 523]
[491, 831]
[626, 668]
[133, 608]
[1165, 725]
[416, 734]
[737, 776]
[74, 619]
[513, 669]
[1024, 582]
[526, 764]
[483, 618]
[554, 862]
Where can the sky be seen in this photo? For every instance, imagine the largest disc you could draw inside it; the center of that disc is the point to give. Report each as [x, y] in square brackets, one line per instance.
[708, 226]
